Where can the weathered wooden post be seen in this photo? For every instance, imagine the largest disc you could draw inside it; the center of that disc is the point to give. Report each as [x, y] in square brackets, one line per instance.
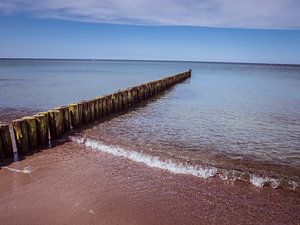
[96, 105]
[152, 87]
[141, 93]
[104, 106]
[42, 127]
[92, 110]
[86, 112]
[129, 97]
[56, 123]
[100, 102]
[74, 115]
[22, 140]
[64, 112]
[2, 153]
[125, 99]
[115, 103]
[6, 149]
[120, 101]
[31, 131]
[109, 106]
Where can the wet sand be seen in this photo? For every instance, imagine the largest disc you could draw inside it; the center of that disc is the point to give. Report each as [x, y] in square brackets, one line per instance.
[70, 184]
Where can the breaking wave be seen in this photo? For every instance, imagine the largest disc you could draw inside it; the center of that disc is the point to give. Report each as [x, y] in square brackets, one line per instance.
[183, 168]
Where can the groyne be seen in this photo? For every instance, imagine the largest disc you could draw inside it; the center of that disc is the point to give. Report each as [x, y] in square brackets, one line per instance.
[31, 133]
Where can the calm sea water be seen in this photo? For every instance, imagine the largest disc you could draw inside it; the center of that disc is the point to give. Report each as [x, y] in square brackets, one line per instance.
[240, 118]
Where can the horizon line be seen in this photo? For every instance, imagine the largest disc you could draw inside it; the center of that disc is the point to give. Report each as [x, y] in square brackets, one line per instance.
[149, 60]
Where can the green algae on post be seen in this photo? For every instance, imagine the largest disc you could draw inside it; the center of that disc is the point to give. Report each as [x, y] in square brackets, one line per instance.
[6, 149]
[42, 127]
[31, 131]
[21, 135]
[74, 115]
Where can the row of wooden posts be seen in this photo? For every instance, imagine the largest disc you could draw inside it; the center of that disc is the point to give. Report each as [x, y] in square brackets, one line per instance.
[34, 132]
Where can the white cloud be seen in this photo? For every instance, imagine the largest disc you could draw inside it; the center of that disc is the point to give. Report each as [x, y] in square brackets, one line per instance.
[277, 14]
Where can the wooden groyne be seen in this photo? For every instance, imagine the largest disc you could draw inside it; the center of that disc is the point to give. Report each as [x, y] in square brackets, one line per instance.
[34, 132]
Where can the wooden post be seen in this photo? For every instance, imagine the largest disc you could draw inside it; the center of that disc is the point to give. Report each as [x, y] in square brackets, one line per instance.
[56, 123]
[74, 115]
[119, 101]
[96, 104]
[31, 131]
[100, 102]
[6, 149]
[42, 127]
[64, 115]
[104, 106]
[86, 112]
[109, 107]
[66, 119]
[2, 153]
[22, 140]
[92, 110]
[115, 104]
[152, 84]
[125, 99]
[140, 93]
[146, 91]
[129, 97]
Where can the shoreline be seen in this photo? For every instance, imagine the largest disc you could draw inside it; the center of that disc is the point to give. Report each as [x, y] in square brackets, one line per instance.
[196, 170]
[70, 184]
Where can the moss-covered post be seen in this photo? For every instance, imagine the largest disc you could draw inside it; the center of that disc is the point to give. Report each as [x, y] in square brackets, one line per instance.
[163, 85]
[42, 127]
[104, 106]
[86, 112]
[56, 123]
[96, 105]
[109, 107]
[2, 154]
[129, 98]
[22, 140]
[146, 91]
[120, 101]
[66, 119]
[125, 99]
[152, 84]
[135, 94]
[64, 115]
[100, 103]
[115, 103]
[32, 132]
[140, 93]
[6, 149]
[92, 110]
[74, 115]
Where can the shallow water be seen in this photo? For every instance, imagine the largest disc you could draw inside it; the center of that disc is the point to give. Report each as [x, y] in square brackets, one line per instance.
[240, 118]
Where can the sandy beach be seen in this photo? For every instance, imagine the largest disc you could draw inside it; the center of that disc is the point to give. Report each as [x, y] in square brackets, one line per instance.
[70, 184]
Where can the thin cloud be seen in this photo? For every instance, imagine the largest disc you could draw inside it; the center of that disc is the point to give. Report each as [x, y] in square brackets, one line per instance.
[267, 14]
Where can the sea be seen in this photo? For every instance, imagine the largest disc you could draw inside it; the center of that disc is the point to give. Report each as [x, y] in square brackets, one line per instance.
[232, 121]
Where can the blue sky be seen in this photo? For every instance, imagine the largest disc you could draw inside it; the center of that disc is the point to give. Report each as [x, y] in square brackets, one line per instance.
[215, 30]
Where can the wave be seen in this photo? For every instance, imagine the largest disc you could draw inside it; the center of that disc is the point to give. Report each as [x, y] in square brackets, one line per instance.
[183, 168]
[26, 169]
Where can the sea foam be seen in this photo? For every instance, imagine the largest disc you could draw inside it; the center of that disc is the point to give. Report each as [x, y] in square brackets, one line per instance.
[180, 168]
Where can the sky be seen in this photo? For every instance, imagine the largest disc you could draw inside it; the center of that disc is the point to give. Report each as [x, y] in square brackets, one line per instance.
[259, 31]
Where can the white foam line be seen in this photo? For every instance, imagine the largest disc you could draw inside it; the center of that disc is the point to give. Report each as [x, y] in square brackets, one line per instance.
[26, 169]
[151, 161]
[156, 162]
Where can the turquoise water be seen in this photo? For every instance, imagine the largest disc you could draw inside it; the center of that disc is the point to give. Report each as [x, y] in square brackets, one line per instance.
[234, 116]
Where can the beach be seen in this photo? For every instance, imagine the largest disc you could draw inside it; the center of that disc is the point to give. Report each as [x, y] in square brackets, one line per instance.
[70, 184]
